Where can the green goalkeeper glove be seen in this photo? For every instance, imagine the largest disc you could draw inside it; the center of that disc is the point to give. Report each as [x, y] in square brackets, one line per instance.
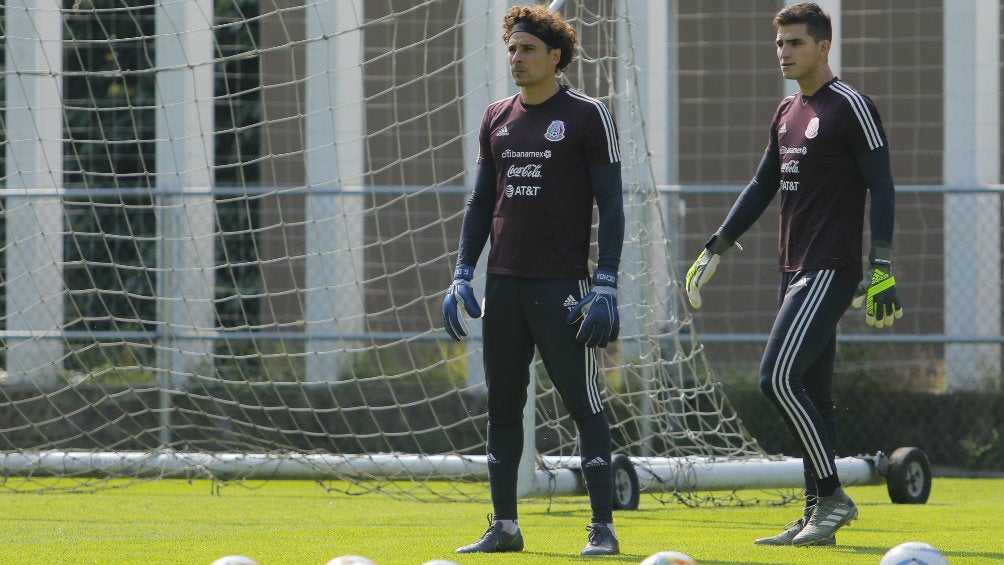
[878, 289]
[704, 267]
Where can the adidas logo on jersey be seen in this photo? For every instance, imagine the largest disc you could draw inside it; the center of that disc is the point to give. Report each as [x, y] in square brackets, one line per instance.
[502, 132]
[570, 302]
[594, 462]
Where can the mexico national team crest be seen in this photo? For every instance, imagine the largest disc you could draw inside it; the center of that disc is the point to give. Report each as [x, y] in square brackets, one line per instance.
[555, 131]
[813, 128]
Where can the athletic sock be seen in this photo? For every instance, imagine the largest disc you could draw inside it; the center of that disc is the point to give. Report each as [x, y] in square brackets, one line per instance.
[509, 526]
[827, 485]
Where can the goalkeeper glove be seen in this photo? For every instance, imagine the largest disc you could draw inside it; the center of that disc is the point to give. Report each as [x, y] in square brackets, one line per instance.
[704, 267]
[460, 295]
[597, 310]
[878, 289]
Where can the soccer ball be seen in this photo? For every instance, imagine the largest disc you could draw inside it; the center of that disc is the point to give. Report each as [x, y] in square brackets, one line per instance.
[350, 560]
[235, 560]
[913, 553]
[669, 558]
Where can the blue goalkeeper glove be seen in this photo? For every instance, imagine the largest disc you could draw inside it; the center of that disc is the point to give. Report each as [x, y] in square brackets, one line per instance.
[878, 289]
[704, 267]
[601, 323]
[460, 295]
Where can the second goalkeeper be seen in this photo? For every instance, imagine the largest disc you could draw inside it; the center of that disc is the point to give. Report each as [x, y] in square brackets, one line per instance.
[827, 150]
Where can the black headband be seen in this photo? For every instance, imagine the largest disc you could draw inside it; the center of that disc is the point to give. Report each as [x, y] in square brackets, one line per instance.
[527, 26]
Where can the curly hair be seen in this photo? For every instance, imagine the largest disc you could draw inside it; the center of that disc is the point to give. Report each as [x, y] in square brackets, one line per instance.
[549, 27]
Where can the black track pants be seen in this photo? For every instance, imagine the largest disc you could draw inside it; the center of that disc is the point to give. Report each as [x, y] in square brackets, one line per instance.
[521, 314]
[796, 373]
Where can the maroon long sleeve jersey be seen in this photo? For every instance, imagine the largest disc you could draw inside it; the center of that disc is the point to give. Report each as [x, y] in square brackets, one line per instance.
[543, 203]
[817, 140]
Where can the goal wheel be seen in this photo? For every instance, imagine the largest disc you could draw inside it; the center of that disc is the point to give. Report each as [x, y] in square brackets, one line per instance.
[908, 478]
[626, 489]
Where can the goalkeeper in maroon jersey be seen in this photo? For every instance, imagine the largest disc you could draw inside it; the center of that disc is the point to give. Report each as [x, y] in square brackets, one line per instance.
[827, 149]
[546, 155]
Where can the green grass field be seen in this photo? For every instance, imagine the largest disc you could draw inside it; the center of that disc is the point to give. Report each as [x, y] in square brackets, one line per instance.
[299, 523]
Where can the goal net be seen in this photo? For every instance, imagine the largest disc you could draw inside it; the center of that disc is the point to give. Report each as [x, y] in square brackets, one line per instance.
[228, 226]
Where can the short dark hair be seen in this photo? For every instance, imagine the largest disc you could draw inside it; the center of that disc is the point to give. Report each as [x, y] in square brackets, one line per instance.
[817, 22]
[549, 26]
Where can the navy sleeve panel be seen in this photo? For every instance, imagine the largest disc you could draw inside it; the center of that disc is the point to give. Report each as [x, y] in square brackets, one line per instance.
[478, 216]
[608, 191]
[754, 199]
[877, 172]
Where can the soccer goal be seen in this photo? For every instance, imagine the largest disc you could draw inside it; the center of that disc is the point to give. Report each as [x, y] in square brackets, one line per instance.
[227, 228]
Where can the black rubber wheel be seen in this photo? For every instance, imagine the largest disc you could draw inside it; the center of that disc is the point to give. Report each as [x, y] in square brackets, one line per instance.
[909, 476]
[626, 489]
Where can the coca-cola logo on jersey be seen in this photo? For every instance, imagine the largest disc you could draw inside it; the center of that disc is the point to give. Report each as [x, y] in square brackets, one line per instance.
[531, 170]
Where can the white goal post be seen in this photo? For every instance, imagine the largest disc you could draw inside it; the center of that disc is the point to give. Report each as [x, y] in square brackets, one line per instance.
[560, 477]
[227, 229]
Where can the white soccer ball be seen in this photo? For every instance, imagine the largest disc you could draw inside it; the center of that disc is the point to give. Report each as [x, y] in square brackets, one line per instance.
[235, 560]
[669, 558]
[350, 560]
[913, 553]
